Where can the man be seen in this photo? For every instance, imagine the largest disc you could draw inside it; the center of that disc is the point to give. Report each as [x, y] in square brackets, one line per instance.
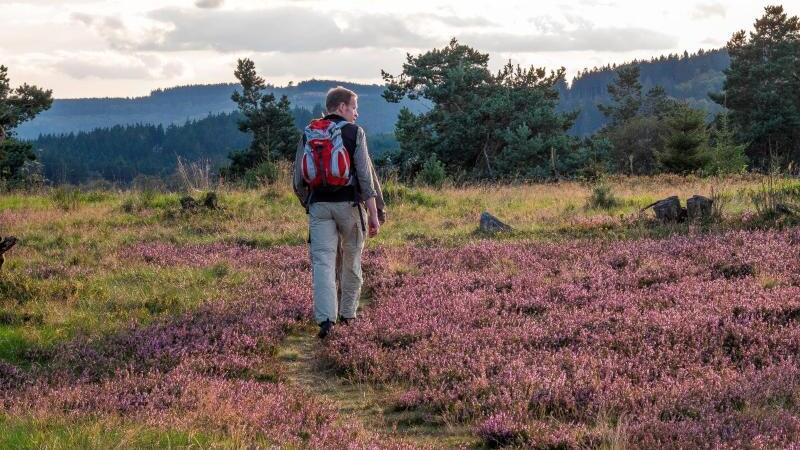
[336, 217]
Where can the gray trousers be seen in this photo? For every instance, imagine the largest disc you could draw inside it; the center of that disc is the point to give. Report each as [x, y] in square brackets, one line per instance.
[336, 244]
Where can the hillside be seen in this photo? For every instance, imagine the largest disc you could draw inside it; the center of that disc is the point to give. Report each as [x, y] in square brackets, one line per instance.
[178, 104]
[688, 76]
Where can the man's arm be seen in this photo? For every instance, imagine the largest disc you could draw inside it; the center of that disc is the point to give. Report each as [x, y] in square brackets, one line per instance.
[364, 171]
[298, 184]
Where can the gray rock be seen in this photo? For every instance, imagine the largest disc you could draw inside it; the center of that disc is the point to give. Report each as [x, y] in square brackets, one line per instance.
[491, 224]
[699, 207]
[669, 209]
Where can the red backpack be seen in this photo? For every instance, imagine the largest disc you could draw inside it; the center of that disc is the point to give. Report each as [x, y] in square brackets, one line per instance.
[326, 162]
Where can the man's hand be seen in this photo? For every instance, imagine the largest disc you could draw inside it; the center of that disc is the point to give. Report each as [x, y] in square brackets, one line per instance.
[374, 225]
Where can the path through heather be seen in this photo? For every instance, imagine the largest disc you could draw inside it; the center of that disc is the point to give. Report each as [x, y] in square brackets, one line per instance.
[303, 364]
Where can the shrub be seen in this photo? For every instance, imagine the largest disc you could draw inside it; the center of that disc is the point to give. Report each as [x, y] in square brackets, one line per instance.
[432, 173]
[266, 172]
[602, 197]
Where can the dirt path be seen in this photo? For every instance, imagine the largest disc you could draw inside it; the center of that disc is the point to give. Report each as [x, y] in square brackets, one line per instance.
[360, 401]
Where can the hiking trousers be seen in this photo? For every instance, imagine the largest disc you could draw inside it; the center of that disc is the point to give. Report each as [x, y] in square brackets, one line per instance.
[336, 228]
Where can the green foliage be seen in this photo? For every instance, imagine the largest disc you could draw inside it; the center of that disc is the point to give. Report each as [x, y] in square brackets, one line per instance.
[725, 156]
[13, 158]
[490, 126]
[638, 127]
[432, 173]
[20, 104]
[270, 122]
[602, 197]
[266, 172]
[762, 88]
[686, 145]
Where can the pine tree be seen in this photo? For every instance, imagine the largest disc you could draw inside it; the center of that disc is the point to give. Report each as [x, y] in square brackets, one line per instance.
[626, 93]
[271, 123]
[725, 155]
[685, 148]
[761, 89]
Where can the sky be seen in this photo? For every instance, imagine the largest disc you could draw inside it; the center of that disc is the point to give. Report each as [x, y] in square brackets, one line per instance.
[92, 48]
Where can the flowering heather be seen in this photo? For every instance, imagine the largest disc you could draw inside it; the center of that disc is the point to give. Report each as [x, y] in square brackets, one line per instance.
[212, 368]
[687, 342]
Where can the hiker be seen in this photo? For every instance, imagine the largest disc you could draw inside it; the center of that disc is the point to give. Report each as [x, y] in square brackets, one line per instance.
[335, 180]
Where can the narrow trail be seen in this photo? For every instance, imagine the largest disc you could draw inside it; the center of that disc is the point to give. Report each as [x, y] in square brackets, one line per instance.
[301, 364]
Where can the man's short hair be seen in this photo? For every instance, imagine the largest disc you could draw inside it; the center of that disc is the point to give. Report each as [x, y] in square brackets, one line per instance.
[336, 96]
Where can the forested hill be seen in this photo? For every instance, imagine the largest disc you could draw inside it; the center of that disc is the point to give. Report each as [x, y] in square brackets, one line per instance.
[688, 77]
[178, 104]
[685, 76]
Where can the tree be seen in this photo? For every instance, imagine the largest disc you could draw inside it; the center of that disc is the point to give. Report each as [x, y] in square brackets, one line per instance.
[685, 147]
[17, 106]
[761, 89]
[480, 123]
[626, 93]
[725, 155]
[20, 104]
[269, 121]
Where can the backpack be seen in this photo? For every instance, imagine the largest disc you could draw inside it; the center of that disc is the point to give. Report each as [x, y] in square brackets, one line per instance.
[326, 161]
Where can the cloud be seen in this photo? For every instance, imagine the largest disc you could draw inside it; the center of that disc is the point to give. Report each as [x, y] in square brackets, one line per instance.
[210, 4]
[112, 65]
[709, 10]
[288, 29]
[584, 38]
[116, 33]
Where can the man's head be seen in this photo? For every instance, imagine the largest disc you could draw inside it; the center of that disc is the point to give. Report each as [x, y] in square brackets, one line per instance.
[343, 102]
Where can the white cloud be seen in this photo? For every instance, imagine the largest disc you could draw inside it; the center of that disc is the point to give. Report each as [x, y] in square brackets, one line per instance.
[708, 10]
[111, 65]
[209, 3]
[580, 39]
[288, 30]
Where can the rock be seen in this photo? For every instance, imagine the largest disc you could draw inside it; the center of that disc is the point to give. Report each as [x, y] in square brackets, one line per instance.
[491, 224]
[188, 203]
[209, 200]
[699, 207]
[669, 210]
[5, 245]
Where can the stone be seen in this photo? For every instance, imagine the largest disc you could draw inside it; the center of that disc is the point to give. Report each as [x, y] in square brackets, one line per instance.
[669, 209]
[699, 207]
[5, 245]
[491, 224]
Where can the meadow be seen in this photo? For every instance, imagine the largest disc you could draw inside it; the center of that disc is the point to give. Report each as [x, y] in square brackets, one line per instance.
[129, 322]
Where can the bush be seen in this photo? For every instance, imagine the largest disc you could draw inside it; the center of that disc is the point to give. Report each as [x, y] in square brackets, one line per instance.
[432, 173]
[602, 197]
[266, 172]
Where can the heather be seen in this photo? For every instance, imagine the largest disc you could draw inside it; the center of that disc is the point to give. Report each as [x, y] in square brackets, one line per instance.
[687, 342]
[126, 321]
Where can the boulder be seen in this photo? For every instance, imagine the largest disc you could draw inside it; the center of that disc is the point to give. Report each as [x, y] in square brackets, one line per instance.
[699, 207]
[669, 210]
[491, 224]
[5, 245]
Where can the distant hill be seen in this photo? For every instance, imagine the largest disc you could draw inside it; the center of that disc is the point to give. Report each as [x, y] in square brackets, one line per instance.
[178, 104]
[686, 76]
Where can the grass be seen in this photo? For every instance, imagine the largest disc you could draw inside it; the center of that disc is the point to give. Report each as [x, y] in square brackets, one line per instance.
[69, 273]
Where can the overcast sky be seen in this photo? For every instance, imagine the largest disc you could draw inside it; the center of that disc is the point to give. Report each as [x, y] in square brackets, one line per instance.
[91, 48]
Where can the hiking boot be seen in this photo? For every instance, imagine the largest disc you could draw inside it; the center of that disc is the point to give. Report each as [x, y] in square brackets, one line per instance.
[324, 329]
[345, 320]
